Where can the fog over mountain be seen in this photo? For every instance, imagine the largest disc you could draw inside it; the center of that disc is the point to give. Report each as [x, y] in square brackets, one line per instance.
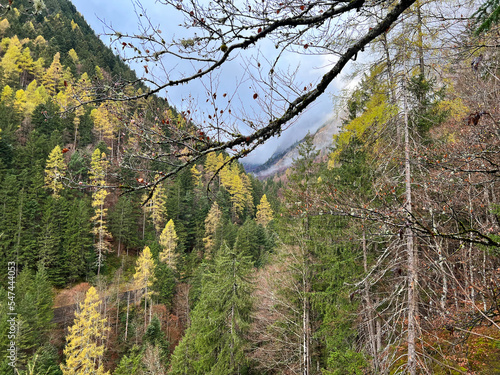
[282, 159]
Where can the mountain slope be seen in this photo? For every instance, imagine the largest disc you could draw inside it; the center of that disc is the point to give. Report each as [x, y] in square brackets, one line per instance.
[280, 161]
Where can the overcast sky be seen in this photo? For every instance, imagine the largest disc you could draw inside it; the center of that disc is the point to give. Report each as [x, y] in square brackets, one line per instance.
[121, 15]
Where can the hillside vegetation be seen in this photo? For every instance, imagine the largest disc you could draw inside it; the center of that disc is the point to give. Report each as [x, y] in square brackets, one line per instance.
[383, 259]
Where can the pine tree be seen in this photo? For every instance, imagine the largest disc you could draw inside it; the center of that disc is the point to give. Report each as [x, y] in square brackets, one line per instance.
[97, 173]
[168, 241]
[85, 347]
[55, 170]
[264, 212]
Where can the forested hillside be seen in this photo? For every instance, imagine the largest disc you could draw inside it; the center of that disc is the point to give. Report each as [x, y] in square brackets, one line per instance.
[133, 242]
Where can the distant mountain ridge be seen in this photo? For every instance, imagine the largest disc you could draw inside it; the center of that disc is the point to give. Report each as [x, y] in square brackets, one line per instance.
[281, 160]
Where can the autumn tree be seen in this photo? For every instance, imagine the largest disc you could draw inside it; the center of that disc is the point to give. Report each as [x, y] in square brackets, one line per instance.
[168, 241]
[276, 96]
[54, 171]
[264, 212]
[144, 277]
[97, 176]
[155, 206]
[85, 341]
[212, 224]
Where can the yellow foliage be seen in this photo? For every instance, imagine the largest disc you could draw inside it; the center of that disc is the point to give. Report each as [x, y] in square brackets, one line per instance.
[51, 78]
[168, 241]
[144, 270]
[264, 212]
[40, 41]
[85, 348]
[212, 222]
[4, 25]
[377, 113]
[74, 25]
[55, 170]
[196, 174]
[7, 95]
[156, 206]
[34, 97]
[97, 174]
[455, 107]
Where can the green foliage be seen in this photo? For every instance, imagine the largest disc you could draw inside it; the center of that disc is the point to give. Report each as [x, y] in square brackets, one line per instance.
[155, 337]
[426, 112]
[130, 364]
[164, 283]
[487, 16]
[215, 342]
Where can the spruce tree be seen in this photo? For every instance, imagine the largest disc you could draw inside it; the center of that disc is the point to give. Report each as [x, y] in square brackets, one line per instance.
[215, 342]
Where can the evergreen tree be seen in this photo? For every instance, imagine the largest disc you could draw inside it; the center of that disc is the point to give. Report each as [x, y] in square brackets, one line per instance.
[78, 254]
[85, 348]
[34, 310]
[215, 342]
[123, 223]
[154, 336]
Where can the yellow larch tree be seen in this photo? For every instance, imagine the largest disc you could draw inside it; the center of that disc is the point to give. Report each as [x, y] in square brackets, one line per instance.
[51, 78]
[10, 60]
[212, 222]
[84, 348]
[55, 170]
[144, 276]
[168, 241]
[264, 212]
[155, 207]
[102, 122]
[7, 96]
[26, 67]
[196, 174]
[34, 97]
[98, 167]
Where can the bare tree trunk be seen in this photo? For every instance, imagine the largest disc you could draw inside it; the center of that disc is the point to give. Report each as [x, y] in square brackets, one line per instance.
[145, 308]
[305, 329]
[420, 40]
[412, 266]
[370, 317]
[126, 321]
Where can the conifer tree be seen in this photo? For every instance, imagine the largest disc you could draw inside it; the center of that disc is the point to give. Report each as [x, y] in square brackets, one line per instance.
[264, 212]
[215, 343]
[85, 347]
[168, 241]
[98, 180]
[54, 171]
[212, 223]
[156, 206]
[10, 60]
[144, 276]
[53, 75]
